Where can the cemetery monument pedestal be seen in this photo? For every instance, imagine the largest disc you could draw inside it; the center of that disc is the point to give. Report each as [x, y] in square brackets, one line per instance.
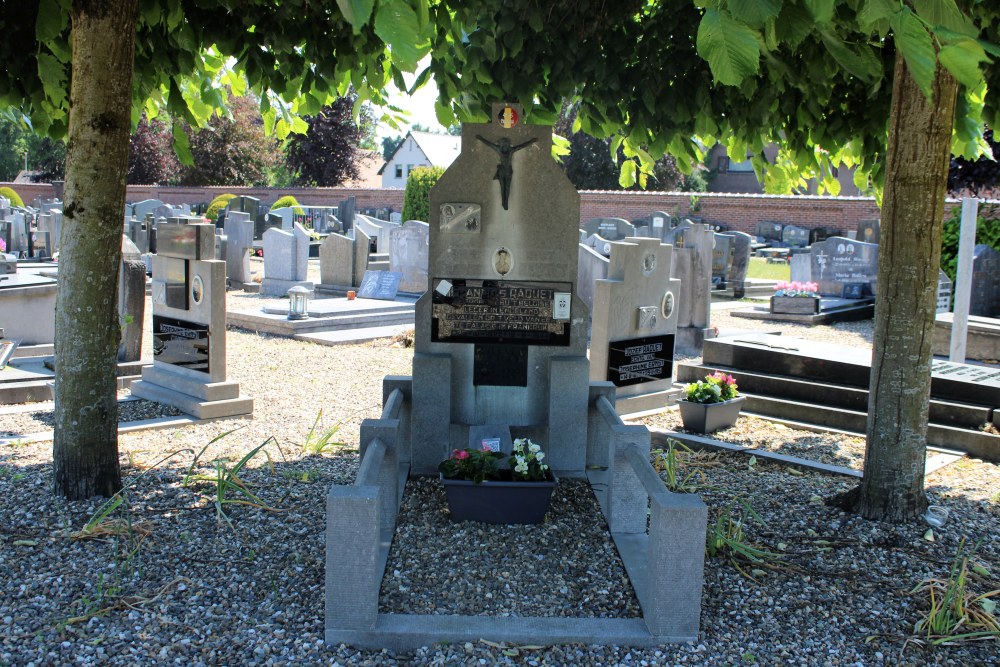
[189, 326]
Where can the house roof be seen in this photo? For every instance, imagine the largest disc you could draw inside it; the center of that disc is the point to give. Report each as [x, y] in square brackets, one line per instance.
[439, 149]
[368, 166]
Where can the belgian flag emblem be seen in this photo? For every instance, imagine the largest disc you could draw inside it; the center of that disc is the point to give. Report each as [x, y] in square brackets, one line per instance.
[507, 118]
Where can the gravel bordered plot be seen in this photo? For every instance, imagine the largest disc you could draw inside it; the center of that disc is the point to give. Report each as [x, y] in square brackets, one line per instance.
[207, 594]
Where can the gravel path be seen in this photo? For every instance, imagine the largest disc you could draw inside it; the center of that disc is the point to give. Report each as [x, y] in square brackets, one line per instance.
[180, 585]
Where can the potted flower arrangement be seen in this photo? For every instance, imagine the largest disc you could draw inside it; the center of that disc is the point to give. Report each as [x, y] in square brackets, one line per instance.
[795, 298]
[479, 488]
[711, 404]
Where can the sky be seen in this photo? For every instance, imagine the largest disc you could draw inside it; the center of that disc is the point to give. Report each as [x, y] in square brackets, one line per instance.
[420, 105]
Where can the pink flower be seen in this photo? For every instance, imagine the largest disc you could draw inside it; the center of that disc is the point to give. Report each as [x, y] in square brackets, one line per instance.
[459, 454]
[730, 379]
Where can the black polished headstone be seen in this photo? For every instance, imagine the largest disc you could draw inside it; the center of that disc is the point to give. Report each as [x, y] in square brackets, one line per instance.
[639, 360]
[181, 343]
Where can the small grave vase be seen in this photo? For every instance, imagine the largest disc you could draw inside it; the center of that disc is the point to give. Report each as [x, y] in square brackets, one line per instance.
[710, 417]
[795, 305]
[499, 501]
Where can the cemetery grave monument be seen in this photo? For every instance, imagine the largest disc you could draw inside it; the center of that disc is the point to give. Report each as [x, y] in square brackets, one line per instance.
[189, 325]
[500, 353]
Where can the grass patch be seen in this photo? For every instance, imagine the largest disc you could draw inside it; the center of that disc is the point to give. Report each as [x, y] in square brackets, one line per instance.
[760, 269]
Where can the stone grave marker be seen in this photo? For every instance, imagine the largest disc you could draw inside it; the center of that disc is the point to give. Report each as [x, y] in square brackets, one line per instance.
[944, 292]
[380, 285]
[19, 234]
[189, 325]
[131, 301]
[801, 267]
[245, 204]
[692, 265]
[336, 262]
[362, 254]
[7, 235]
[286, 260]
[768, 232]
[794, 236]
[39, 246]
[287, 216]
[609, 229]
[408, 255]
[984, 300]
[868, 230]
[345, 213]
[722, 261]
[741, 242]
[817, 234]
[140, 209]
[239, 236]
[592, 266]
[635, 323]
[51, 223]
[845, 268]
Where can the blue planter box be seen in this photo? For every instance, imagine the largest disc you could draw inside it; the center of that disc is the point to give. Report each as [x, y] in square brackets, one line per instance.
[501, 502]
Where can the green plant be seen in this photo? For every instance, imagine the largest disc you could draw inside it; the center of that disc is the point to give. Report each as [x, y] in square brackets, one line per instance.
[954, 612]
[416, 204]
[225, 480]
[11, 194]
[987, 233]
[472, 464]
[694, 204]
[526, 461]
[317, 444]
[288, 201]
[715, 388]
[727, 538]
[668, 463]
[217, 204]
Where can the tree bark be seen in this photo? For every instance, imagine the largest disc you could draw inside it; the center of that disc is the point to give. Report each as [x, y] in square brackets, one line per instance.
[85, 452]
[916, 182]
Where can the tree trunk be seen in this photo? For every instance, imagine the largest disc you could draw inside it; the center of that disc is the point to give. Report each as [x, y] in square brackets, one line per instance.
[909, 256]
[85, 453]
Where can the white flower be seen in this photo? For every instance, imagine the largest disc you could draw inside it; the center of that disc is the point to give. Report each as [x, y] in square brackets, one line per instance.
[544, 467]
[539, 456]
[520, 460]
[532, 447]
[521, 467]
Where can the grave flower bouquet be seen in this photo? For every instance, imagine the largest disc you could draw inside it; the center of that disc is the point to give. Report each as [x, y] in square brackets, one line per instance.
[795, 288]
[715, 388]
[526, 461]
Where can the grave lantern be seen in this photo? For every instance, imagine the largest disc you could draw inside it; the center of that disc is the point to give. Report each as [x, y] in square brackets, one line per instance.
[298, 303]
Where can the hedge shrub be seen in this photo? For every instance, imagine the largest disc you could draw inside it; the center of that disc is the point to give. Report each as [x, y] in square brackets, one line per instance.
[288, 200]
[416, 205]
[8, 193]
[217, 205]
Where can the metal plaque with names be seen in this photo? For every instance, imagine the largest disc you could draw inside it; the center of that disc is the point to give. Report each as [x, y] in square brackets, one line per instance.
[499, 312]
[639, 360]
[181, 343]
[461, 218]
[380, 285]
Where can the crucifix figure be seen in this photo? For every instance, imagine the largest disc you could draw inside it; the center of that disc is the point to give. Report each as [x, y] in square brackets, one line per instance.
[505, 170]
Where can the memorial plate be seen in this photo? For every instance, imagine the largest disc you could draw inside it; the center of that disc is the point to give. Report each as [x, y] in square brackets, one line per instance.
[639, 360]
[498, 312]
[461, 218]
[181, 343]
[380, 285]
[500, 365]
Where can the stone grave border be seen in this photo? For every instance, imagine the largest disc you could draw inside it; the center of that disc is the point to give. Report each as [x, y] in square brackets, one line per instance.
[665, 566]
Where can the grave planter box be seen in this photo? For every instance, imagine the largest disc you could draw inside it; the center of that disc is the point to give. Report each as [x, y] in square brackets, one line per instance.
[498, 501]
[795, 305]
[710, 417]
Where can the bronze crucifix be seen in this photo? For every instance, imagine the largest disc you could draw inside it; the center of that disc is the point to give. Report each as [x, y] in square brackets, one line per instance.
[505, 170]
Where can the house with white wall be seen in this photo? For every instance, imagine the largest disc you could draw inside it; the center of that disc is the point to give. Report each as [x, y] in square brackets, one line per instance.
[419, 149]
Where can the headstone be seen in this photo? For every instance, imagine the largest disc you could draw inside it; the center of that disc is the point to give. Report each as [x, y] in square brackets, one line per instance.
[801, 268]
[741, 242]
[592, 266]
[945, 287]
[768, 232]
[635, 323]
[722, 261]
[840, 264]
[51, 224]
[362, 254]
[286, 260]
[868, 230]
[345, 213]
[692, 265]
[380, 285]
[286, 215]
[408, 255]
[239, 241]
[140, 209]
[189, 325]
[39, 246]
[984, 300]
[611, 229]
[131, 301]
[817, 234]
[794, 236]
[336, 261]
[6, 236]
[245, 204]
[19, 234]
[500, 335]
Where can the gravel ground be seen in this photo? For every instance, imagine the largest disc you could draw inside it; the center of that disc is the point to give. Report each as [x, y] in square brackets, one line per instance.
[182, 585]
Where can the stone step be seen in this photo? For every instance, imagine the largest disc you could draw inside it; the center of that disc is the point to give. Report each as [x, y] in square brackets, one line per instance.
[350, 336]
